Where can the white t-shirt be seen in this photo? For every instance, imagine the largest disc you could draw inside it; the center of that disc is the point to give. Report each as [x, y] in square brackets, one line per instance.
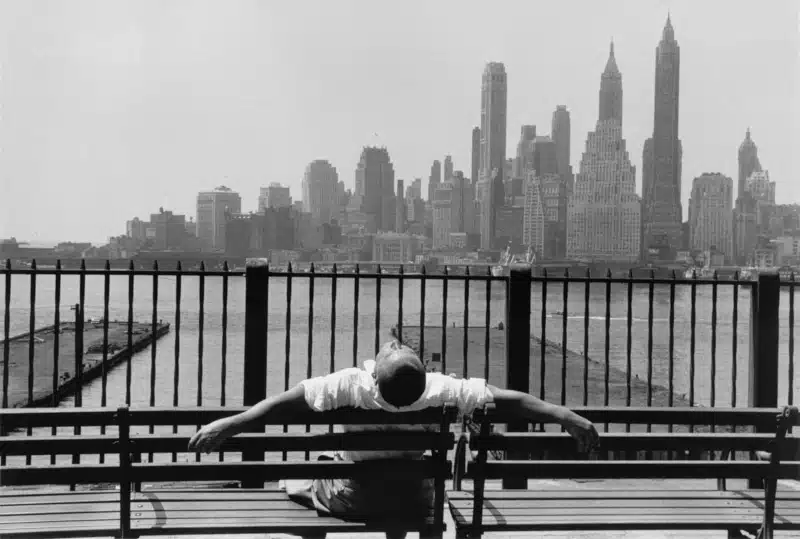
[356, 388]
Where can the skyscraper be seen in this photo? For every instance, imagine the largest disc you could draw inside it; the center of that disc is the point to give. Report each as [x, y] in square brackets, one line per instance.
[274, 196]
[711, 214]
[748, 162]
[448, 168]
[561, 136]
[434, 179]
[661, 159]
[375, 185]
[524, 160]
[320, 190]
[745, 221]
[400, 208]
[494, 96]
[211, 221]
[604, 213]
[476, 154]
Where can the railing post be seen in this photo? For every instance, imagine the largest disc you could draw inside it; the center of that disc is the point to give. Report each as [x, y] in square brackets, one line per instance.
[518, 346]
[255, 345]
[764, 335]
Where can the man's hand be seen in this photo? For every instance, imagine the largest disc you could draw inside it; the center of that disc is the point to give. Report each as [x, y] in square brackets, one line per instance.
[583, 431]
[211, 436]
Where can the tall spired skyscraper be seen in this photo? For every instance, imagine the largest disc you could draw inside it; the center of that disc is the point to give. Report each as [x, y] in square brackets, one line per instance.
[661, 158]
[604, 211]
[494, 94]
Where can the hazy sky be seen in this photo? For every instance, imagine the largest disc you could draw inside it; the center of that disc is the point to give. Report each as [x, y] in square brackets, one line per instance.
[110, 109]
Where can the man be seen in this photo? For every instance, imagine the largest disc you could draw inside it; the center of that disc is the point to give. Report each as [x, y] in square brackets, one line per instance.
[395, 381]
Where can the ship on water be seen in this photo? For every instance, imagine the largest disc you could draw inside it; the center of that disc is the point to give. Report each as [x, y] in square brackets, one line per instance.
[503, 268]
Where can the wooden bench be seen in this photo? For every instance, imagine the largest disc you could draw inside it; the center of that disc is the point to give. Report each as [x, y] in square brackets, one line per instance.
[669, 455]
[132, 511]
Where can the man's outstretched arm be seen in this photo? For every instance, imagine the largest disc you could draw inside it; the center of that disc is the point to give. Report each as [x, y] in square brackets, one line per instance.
[529, 408]
[283, 405]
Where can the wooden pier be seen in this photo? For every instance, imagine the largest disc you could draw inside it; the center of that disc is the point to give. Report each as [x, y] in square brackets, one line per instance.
[45, 353]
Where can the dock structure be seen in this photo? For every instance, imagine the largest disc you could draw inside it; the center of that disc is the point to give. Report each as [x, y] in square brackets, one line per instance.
[67, 380]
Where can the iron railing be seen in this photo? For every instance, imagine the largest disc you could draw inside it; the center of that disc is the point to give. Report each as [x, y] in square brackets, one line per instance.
[606, 340]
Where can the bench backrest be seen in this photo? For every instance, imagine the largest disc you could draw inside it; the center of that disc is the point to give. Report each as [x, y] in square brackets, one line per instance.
[583, 466]
[14, 443]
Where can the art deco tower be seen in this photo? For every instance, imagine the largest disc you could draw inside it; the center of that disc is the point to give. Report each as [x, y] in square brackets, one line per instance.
[604, 211]
[661, 160]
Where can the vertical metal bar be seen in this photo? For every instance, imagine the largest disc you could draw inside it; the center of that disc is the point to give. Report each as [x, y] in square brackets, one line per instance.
[310, 348]
[791, 341]
[56, 345]
[486, 344]
[586, 300]
[629, 345]
[334, 282]
[378, 310]
[332, 365]
[6, 335]
[422, 286]
[444, 321]
[223, 380]
[714, 341]
[31, 344]
[650, 294]
[606, 395]
[31, 335]
[79, 331]
[104, 365]
[288, 341]
[153, 333]
[356, 290]
[671, 383]
[201, 319]
[177, 367]
[692, 324]
[543, 339]
[466, 323]
[735, 339]
[564, 322]
[400, 303]
[129, 367]
[224, 367]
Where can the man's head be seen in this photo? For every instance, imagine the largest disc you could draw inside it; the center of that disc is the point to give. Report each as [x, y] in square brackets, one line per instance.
[399, 373]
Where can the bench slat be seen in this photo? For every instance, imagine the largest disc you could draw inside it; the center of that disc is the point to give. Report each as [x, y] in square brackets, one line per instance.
[623, 469]
[58, 445]
[192, 471]
[616, 493]
[60, 474]
[169, 443]
[14, 418]
[554, 442]
[61, 508]
[342, 416]
[661, 415]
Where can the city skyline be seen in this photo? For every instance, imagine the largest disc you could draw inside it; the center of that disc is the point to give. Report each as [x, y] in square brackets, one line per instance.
[134, 157]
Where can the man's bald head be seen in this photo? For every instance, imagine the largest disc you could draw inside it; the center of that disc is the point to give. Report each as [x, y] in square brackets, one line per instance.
[399, 374]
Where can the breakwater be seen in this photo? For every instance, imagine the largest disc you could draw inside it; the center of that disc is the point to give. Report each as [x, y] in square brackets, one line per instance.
[55, 372]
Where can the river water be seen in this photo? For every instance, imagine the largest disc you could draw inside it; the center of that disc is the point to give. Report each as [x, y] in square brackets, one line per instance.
[301, 318]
